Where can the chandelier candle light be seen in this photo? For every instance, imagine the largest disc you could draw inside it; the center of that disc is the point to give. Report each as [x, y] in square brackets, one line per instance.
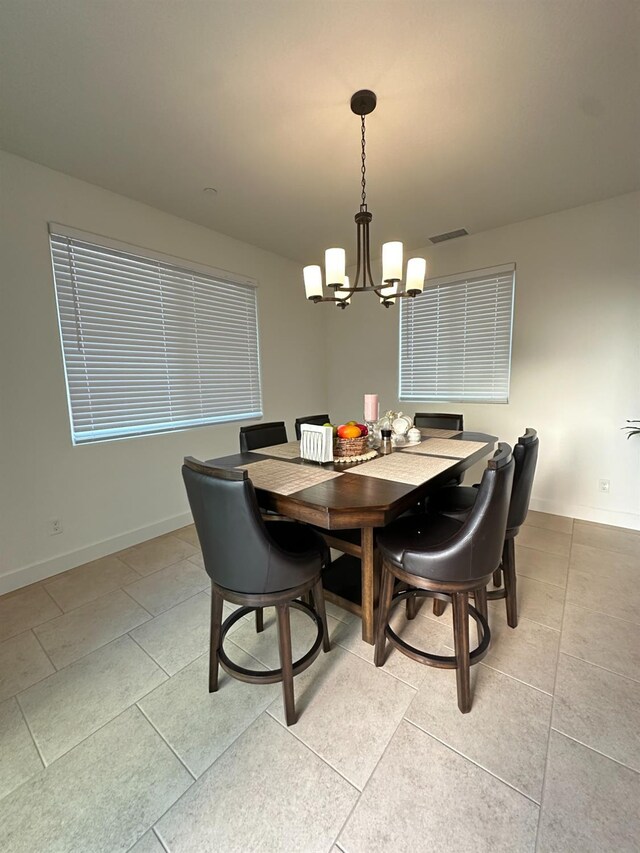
[391, 287]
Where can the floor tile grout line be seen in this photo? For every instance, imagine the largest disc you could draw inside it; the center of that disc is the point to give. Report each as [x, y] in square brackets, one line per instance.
[289, 731]
[604, 668]
[160, 841]
[553, 703]
[563, 587]
[162, 612]
[515, 678]
[46, 654]
[602, 613]
[163, 738]
[597, 751]
[206, 770]
[148, 654]
[528, 618]
[86, 654]
[33, 738]
[102, 725]
[371, 775]
[472, 761]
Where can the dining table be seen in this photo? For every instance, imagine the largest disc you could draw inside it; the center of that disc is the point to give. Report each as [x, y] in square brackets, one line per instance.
[349, 503]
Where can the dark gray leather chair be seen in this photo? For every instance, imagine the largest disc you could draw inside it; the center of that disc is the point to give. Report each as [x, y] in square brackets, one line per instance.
[438, 420]
[318, 420]
[262, 435]
[457, 502]
[446, 559]
[255, 566]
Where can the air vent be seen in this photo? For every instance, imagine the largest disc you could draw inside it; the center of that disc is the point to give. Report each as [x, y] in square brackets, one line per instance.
[450, 235]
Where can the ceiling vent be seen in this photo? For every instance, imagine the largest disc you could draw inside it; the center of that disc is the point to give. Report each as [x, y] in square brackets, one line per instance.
[450, 235]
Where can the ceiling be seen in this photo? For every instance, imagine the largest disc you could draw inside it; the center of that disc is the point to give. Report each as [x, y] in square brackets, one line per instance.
[489, 111]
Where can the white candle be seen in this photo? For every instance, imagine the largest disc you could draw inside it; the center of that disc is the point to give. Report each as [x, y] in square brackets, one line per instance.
[371, 409]
[334, 266]
[416, 270]
[392, 261]
[312, 281]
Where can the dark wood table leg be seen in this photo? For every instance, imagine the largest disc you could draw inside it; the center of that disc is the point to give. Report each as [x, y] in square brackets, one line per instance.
[370, 569]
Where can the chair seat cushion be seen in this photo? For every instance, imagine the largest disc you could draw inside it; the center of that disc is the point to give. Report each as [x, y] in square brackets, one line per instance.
[298, 538]
[414, 533]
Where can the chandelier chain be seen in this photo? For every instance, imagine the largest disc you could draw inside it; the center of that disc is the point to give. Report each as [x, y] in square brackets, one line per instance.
[363, 169]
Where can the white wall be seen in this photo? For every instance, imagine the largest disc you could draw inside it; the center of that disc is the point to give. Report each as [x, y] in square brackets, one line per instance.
[114, 494]
[576, 352]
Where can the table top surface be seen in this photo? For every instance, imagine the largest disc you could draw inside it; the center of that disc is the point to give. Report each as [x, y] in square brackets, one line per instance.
[356, 500]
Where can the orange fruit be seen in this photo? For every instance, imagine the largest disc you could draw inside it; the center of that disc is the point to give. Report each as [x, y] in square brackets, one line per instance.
[350, 431]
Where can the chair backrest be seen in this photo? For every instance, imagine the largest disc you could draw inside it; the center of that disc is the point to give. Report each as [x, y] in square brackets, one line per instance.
[474, 552]
[438, 420]
[238, 552]
[318, 420]
[262, 435]
[487, 522]
[525, 454]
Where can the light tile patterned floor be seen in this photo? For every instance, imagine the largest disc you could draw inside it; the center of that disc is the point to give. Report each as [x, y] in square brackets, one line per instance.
[109, 740]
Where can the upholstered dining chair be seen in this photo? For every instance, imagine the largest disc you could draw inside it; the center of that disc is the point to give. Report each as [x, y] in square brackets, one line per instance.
[255, 566]
[256, 436]
[447, 559]
[438, 420]
[457, 501]
[318, 420]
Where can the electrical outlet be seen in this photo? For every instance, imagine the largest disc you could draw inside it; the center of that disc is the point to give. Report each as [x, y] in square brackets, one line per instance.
[55, 527]
[604, 486]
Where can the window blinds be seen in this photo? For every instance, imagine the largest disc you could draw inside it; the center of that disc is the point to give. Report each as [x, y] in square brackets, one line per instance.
[150, 346]
[455, 339]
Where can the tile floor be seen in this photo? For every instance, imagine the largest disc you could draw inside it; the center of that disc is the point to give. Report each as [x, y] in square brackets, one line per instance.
[109, 740]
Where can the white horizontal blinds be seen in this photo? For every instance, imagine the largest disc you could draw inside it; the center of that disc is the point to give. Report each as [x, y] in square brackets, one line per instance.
[149, 346]
[455, 339]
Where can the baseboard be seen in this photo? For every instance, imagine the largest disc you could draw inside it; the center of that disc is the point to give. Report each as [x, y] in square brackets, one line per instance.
[63, 562]
[629, 520]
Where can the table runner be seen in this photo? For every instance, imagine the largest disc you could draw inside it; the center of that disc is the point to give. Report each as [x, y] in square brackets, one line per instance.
[400, 468]
[284, 478]
[289, 450]
[445, 447]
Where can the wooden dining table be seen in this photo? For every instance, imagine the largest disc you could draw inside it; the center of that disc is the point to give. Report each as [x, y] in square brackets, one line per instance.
[349, 509]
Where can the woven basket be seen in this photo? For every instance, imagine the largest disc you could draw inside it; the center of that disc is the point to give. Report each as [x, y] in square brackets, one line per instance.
[350, 446]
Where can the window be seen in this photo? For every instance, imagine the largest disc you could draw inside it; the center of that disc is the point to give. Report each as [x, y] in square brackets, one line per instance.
[455, 338]
[150, 345]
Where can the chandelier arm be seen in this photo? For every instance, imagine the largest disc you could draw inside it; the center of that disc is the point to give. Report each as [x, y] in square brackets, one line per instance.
[358, 255]
[367, 273]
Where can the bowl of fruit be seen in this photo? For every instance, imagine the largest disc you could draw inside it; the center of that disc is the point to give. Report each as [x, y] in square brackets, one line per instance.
[350, 439]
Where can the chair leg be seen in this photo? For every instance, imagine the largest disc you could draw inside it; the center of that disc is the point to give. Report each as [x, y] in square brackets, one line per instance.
[318, 603]
[259, 620]
[509, 572]
[386, 594]
[214, 639]
[439, 606]
[480, 596]
[412, 608]
[460, 602]
[497, 577]
[286, 662]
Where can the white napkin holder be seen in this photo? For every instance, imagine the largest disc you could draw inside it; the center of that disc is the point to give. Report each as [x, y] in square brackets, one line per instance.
[316, 443]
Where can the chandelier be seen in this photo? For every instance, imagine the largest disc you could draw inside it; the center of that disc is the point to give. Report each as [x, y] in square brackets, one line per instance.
[392, 286]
